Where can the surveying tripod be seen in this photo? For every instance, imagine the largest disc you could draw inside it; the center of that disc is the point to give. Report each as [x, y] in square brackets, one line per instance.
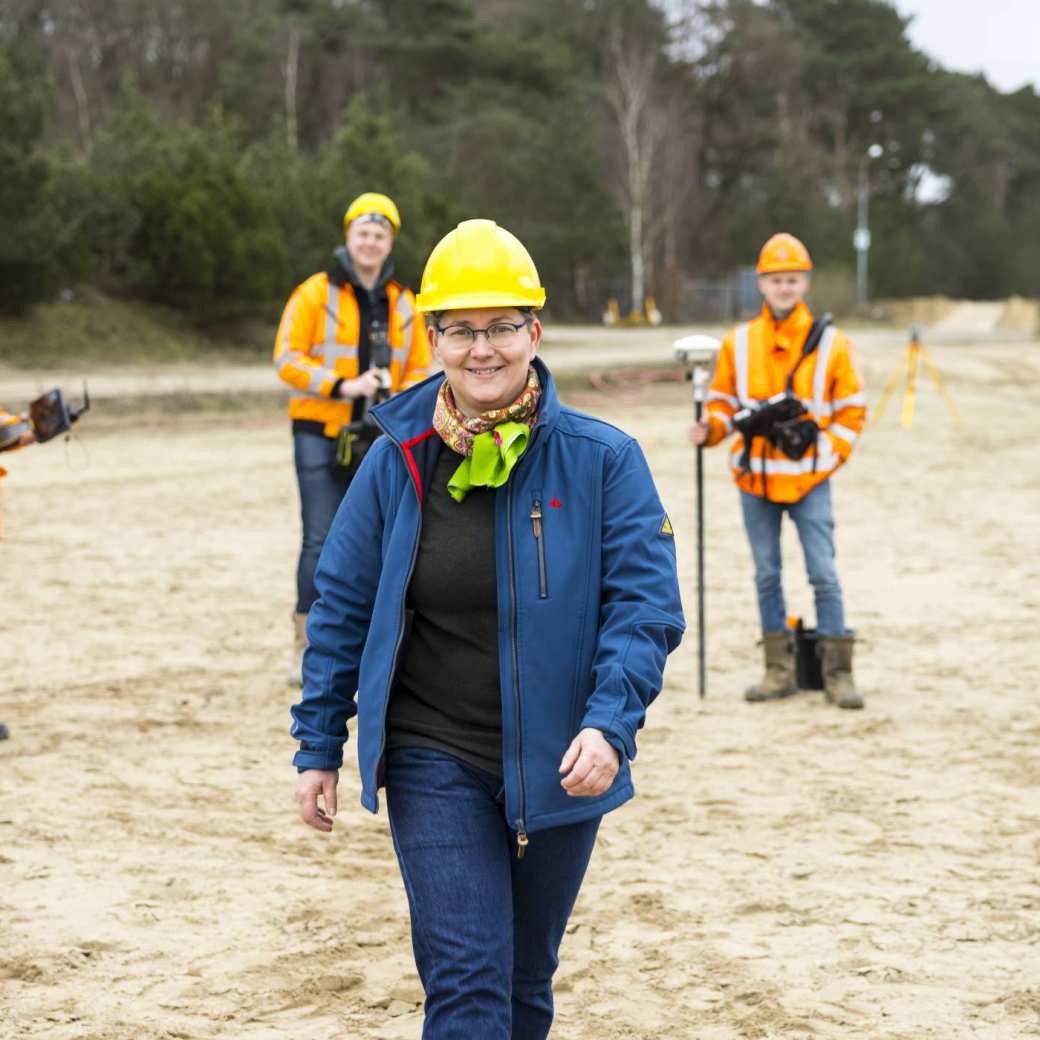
[914, 356]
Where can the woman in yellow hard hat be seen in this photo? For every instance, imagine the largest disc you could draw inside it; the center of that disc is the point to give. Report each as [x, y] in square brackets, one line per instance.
[348, 337]
[500, 593]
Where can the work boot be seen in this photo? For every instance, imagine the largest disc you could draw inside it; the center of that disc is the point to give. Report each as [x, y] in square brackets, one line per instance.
[299, 645]
[836, 664]
[779, 678]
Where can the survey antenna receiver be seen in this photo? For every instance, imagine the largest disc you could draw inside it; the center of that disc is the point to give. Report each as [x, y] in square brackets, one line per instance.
[696, 350]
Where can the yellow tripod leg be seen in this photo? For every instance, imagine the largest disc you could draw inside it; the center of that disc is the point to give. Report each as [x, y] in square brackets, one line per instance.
[886, 394]
[940, 386]
[911, 377]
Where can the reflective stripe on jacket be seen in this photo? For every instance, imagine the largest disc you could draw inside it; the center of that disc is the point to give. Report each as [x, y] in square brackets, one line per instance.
[754, 363]
[317, 345]
[588, 602]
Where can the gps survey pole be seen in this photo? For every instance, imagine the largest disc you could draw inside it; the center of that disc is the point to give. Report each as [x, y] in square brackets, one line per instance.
[697, 353]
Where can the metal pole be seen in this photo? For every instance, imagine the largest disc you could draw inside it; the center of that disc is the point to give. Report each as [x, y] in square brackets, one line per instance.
[861, 227]
[861, 239]
[700, 380]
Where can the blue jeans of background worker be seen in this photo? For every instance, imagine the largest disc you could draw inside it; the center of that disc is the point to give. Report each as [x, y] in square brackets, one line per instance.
[486, 926]
[814, 521]
[322, 487]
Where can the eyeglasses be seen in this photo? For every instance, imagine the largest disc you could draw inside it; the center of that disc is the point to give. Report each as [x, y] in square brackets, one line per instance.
[500, 334]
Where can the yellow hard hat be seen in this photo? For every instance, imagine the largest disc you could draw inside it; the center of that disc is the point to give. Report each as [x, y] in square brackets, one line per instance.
[783, 252]
[479, 264]
[371, 202]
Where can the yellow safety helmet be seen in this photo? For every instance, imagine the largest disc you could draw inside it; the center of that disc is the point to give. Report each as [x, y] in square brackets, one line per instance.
[371, 202]
[783, 252]
[479, 264]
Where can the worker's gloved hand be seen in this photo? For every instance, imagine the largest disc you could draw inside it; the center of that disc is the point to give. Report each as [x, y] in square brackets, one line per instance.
[795, 437]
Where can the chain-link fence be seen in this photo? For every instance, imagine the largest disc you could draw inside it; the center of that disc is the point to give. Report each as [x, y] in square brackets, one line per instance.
[683, 299]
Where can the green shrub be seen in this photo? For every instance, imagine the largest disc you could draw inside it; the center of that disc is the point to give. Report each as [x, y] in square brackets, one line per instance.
[29, 246]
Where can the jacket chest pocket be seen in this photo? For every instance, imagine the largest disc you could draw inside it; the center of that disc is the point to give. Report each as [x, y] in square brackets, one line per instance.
[538, 532]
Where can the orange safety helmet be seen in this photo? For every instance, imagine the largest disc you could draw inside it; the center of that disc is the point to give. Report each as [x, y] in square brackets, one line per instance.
[783, 252]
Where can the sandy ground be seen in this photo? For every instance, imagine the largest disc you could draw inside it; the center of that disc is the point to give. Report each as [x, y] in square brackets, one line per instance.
[787, 870]
[571, 348]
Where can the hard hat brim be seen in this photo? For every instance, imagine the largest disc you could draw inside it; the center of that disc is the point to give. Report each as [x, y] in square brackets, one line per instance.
[784, 269]
[465, 301]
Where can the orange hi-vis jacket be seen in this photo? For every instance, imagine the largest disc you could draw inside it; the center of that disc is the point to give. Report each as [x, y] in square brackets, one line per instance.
[7, 421]
[11, 426]
[754, 363]
[317, 345]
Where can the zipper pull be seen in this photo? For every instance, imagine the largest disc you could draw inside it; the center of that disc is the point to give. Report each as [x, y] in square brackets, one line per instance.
[521, 840]
[536, 519]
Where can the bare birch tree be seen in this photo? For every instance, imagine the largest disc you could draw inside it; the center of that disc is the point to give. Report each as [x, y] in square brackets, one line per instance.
[641, 127]
[292, 69]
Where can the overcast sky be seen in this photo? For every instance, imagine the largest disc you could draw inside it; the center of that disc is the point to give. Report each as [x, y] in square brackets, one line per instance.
[1000, 38]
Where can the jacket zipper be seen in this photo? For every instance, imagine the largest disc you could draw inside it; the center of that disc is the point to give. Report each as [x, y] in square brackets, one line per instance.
[536, 525]
[521, 827]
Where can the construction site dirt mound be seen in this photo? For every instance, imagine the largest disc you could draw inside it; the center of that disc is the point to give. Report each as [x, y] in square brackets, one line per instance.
[965, 318]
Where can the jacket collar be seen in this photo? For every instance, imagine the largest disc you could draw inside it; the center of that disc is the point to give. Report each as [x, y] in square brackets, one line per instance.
[342, 271]
[409, 415]
[791, 332]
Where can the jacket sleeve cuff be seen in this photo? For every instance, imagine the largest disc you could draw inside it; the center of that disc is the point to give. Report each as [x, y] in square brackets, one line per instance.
[614, 731]
[718, 430]
[314, 758]
[618, 745]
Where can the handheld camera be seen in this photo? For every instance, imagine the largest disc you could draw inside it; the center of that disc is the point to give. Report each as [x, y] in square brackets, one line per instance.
[52, 415]
[381, 355]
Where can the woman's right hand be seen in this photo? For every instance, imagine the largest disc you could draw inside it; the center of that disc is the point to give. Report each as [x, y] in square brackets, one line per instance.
[311, 783]
[699, 432]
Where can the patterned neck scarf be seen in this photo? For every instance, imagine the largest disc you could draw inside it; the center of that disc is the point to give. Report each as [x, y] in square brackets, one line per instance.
[496, 450]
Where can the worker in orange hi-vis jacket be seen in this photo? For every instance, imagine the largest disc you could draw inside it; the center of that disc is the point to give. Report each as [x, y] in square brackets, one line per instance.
[15, 432]
[787, 386]
[349, 337]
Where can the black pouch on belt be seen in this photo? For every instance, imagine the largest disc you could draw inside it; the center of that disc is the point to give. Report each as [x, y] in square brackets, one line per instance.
[353, 442]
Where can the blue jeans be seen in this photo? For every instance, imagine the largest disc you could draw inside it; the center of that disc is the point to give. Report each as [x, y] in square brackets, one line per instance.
[486, 926]
[814, 522]
[322, 486]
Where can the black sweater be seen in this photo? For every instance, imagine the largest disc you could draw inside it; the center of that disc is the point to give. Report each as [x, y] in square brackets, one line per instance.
[446, 695]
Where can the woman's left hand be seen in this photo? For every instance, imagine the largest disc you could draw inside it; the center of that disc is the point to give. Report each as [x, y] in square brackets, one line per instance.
[589, 765]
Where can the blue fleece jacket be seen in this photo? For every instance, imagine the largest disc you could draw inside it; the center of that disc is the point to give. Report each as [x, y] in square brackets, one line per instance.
[588, 602]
